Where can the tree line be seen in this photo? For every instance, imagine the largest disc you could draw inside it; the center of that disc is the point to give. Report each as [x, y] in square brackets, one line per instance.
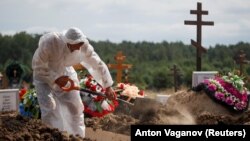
[152, 62]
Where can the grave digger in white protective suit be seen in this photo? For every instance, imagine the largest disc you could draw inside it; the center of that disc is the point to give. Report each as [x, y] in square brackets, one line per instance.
[52, 71]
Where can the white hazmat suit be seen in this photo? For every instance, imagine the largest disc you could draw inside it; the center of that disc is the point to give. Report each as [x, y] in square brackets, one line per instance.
[52, 59]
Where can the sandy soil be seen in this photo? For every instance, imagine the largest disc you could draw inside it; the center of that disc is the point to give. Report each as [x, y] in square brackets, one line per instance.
[182, 108]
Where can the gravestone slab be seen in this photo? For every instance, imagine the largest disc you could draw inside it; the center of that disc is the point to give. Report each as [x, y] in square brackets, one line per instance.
[9, 100]
[162, 98]
[199, 76]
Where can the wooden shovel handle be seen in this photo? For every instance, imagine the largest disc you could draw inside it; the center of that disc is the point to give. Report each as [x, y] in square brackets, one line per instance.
[72, 86]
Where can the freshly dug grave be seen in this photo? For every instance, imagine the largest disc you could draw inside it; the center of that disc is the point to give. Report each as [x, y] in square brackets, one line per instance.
[182, 107]
[14, 127]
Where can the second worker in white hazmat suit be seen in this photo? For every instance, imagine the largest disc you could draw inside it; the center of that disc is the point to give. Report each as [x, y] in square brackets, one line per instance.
[52, 68]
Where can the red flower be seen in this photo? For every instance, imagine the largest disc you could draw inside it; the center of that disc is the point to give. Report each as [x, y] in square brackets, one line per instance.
[22, 92]
[90, 78]
[88, 84]
[122, 86]
[115, 103]
[141, 92]
[93, 88]
[103, 113]
[98, 98]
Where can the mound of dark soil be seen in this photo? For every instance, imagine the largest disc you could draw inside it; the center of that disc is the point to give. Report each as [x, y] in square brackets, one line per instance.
[181, 108]
[14, 127]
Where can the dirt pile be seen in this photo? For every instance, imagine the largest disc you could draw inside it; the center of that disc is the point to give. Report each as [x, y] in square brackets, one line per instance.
[206, 111]
[181, 108]
[14, 127]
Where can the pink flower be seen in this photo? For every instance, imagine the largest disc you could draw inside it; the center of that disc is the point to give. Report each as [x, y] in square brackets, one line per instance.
[207, 81]
[220, 96]
[229, 100]
[244, 97]
[240, 105]
[212, 87]
[233, 91]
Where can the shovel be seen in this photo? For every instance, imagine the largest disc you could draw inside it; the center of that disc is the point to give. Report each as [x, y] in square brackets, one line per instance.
[103, 95]
[73, 87]
[135, 108]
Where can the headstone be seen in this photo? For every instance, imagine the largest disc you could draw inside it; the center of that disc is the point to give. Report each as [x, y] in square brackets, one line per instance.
[162, 98]
[199, 76]
[9, 100]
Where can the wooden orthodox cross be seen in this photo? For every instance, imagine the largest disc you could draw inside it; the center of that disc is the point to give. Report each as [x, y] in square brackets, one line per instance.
[241, 59]
[198, 23]
[119, 66]
[176, 74]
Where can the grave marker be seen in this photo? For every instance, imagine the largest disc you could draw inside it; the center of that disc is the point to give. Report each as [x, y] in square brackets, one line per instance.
[198, 43]
[176, 74]
[241, 59]
[199, 76]
[162, 98]
[9, 100]
[119, 66]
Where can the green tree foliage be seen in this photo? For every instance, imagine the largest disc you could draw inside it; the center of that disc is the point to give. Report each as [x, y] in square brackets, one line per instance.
[151, 61]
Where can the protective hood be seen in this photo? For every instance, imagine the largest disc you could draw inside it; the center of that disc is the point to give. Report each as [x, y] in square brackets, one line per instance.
[74, 36]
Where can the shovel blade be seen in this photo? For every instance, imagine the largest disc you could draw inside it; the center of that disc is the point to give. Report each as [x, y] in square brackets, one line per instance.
[141, 106]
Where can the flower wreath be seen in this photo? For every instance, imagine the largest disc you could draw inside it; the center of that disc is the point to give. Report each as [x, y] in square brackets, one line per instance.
[128, 92]
[98, 106]
[95, 106]
[228, 90]
[28, 105]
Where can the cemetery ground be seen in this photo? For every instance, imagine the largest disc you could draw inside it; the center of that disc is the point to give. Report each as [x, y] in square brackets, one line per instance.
[182, 107]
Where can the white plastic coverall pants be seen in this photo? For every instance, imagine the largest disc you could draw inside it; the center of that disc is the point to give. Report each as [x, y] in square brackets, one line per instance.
[52, 59]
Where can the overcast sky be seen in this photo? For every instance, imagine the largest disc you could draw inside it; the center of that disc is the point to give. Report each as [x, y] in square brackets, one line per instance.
[131, 20]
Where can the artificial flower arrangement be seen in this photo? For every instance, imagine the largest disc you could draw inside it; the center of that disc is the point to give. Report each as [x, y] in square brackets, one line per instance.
[227, 89]
[28, 105]
[98, 106]
[94, 105]
[128, 92]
